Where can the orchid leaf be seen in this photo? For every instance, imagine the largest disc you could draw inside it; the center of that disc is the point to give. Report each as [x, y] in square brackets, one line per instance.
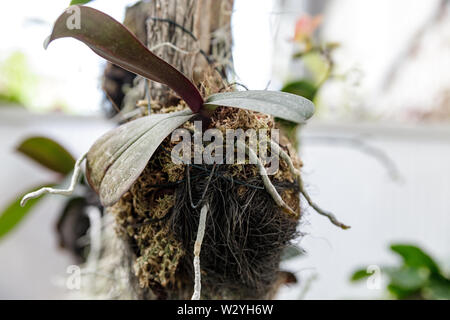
[279, 104]
[47, 153]
[114, 42]
[118, 158]
[14, 213]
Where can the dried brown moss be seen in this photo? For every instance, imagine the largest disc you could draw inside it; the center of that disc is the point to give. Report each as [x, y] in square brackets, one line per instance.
[140, 215]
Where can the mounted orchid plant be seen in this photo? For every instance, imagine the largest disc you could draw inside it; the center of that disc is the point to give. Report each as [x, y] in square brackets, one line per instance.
[117, 160]
[119, 157]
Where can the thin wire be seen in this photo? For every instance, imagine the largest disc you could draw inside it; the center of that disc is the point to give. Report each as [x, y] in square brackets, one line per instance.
[203, 53]
[236, 83]
[176, 25]
[147, 94]
[240, 182]
[171, 184]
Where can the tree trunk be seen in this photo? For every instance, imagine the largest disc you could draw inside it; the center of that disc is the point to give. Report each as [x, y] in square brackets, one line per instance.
[192, 36]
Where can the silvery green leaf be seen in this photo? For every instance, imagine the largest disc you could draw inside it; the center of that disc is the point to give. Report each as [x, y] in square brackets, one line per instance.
[279, 104]
[118, 158]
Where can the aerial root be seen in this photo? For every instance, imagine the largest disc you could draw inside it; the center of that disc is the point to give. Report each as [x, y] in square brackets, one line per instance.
[270, 188]
[197, 249]
[284, 156]
[65, 192]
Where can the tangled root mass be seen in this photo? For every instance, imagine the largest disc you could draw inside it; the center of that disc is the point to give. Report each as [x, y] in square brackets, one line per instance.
[245, 235]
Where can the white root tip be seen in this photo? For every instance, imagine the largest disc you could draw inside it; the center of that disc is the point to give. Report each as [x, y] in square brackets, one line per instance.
[65, 192]
[197, 248]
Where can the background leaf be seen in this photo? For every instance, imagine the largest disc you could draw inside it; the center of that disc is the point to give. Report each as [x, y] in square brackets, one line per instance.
[402, 293]
[114, 42]
[302, 88]
[17, 81]
[317, 65]
[415, 257]
[438, 288]
[14, 213]
[118, 158]
[73, 2]
[418, 277]
[279, 104]
[47, 153]
[360, 274]
[408, 278]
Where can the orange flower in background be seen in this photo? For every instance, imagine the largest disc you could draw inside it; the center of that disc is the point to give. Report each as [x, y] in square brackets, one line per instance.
[305, 27]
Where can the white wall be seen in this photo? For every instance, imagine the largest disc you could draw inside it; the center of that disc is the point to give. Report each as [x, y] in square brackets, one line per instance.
[357, 188]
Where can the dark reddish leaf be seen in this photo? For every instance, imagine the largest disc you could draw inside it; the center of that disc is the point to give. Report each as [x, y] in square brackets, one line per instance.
[114, 42]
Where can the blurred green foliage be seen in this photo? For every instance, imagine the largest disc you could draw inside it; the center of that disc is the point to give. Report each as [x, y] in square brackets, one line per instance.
[73, 2]
[14, 212]
[304, 88]
[318, 67]
[418, 277]
[315, 57]
[48, 153]
[16, 80]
